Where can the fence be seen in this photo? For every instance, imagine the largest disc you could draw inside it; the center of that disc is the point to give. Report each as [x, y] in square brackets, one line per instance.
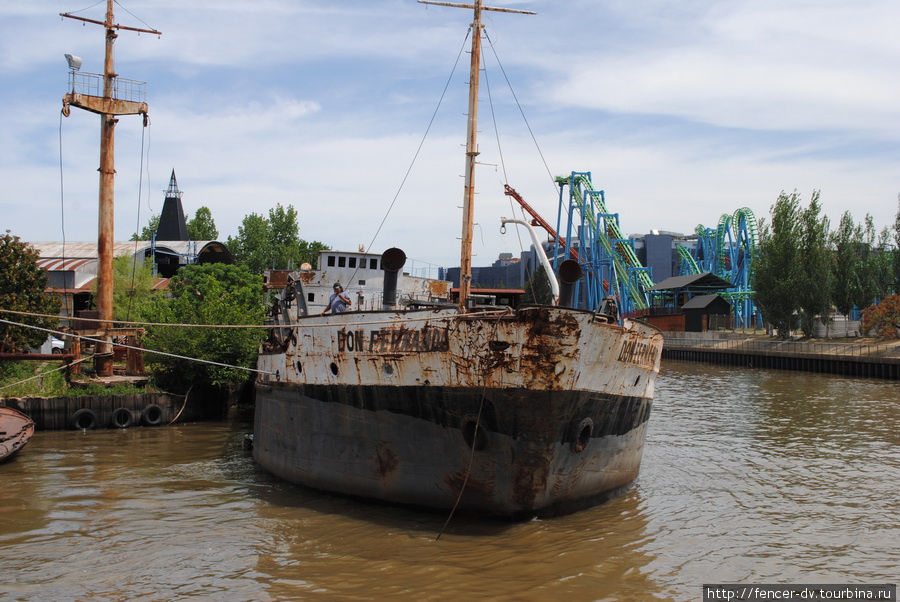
[789, 347]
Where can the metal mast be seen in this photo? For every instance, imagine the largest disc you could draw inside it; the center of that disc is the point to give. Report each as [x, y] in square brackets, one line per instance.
[465, 261]
[108, 106]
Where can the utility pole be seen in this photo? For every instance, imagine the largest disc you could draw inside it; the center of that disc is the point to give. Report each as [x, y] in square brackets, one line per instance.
[465, 260]
[112, 103]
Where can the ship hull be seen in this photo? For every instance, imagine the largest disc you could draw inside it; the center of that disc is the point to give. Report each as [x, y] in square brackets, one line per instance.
[413, 445]
[535, 412]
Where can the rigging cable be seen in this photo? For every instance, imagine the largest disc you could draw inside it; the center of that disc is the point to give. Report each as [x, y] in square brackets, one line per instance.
[137, 226]
[418, 149]
[88, 8]
[522, 111]
[133, 15]
[512, 208]
[62, 215]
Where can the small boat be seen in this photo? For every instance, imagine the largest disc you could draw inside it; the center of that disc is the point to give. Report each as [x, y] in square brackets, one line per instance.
[15, 430]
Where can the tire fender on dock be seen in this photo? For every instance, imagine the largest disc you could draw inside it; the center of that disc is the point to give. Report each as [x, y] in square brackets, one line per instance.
[121, 418]
[152, 415]
[84, 419]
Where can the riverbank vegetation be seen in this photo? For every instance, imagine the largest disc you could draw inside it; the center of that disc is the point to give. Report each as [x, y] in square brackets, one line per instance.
[803, 269]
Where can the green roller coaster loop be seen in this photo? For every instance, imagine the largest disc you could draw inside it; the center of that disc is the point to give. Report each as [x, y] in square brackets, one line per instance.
[728, 251]
[685, 255]
[590, 202]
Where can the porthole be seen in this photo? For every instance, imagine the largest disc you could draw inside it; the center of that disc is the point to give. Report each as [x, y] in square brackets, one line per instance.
[474, 434]
[583, 435]
[388, 370]
[299, 367]
[334, 368]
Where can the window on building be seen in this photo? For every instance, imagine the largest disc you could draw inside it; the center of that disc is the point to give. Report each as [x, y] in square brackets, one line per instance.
[342, 262]
[352, 262]
[331, 261]
[373, 264]
[310, 297]
[362, 282]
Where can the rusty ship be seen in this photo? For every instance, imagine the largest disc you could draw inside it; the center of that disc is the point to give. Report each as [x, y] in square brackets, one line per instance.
[510, 412]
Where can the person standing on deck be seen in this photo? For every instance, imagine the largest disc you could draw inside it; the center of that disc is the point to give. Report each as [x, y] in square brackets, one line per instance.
[338, 302]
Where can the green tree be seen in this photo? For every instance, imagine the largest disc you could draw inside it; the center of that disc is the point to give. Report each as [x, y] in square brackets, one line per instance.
[537, 289]
[202, 226]
[207, 294]
[776, 271]
[272, 242]
[133, 292]
[815, 265]
[896, 251]
[149, 230]
[845, 245]
[22, 286]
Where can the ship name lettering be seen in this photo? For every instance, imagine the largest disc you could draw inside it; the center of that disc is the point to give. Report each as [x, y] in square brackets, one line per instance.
[394, 340]
[636, 352]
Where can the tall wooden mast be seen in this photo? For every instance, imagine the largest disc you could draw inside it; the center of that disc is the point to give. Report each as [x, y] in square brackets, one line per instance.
[465, 260]
[108, 106]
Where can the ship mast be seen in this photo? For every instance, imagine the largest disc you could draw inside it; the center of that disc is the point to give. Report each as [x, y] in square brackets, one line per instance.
[108, 106]
[465, 261]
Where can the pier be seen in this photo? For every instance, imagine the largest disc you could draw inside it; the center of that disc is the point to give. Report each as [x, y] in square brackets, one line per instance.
[868, 360]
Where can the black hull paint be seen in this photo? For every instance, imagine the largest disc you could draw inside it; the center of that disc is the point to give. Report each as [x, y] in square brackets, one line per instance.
[537, 452]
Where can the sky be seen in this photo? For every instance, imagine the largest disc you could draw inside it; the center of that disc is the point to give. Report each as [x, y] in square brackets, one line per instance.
[681, 111]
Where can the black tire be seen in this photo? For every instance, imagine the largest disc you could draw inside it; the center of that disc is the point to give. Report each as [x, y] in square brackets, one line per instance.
[56, 350]
[121, 418]
[152, 415]
[84, 419]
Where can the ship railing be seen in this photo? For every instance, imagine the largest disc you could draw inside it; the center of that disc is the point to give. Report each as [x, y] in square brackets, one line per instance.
[92, 84]
[789, 347]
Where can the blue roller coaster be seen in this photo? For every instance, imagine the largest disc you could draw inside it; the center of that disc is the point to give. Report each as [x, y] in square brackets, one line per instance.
[587, 231]
[728, 251]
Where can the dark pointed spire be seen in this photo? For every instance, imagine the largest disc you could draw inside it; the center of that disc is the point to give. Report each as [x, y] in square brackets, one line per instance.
[172, 225]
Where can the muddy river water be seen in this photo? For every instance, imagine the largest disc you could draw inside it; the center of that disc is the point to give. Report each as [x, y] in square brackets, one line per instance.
[748, 476]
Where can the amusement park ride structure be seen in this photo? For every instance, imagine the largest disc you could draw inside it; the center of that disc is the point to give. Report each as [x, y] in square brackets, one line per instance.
[728, 251]
[611, 266]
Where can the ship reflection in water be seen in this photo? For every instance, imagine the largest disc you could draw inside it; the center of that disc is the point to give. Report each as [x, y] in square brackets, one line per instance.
[748, 476]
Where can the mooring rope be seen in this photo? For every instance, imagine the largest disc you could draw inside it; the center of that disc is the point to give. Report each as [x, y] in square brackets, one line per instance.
[174, 355]
[263, 326]
[474, 442]
[25, 380]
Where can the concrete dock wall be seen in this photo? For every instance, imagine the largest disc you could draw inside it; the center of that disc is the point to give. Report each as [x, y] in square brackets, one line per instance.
[848, 359]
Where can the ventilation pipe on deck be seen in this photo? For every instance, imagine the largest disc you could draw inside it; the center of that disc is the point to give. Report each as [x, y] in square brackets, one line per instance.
[569, 274]
[391, 262]
[554, 285]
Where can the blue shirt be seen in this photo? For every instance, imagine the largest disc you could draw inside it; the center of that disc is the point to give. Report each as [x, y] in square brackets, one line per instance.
[336, 303]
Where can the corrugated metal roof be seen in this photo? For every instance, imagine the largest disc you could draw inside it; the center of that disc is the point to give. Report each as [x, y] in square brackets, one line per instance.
[80, 250]
[58, 264]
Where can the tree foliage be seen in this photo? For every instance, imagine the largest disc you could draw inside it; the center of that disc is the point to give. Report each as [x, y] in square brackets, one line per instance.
[149, 230]
[133, 292]
[815, 267]
[537, 289]
[22, 286]
[207, 294]
[776, 272]
[883, 319]
[202, 226]
[272, 242]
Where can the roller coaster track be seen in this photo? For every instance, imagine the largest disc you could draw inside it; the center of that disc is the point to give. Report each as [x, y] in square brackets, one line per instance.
[604, 241]
[728, 251]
